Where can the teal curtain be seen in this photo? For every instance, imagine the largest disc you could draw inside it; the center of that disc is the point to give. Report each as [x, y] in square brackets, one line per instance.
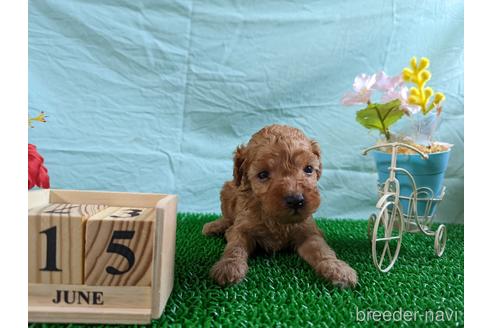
[153, 96]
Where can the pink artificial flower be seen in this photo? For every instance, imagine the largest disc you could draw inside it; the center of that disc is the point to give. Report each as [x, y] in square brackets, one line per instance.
[401, 94]
[387, 83]
[363, 86]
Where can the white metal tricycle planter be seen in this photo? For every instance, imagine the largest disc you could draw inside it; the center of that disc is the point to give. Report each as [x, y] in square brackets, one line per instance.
[386, 226]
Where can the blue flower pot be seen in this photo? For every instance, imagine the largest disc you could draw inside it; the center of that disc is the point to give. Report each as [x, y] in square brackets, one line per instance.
[426, 173]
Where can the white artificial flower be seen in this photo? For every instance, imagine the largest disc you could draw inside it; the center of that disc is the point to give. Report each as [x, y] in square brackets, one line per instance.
[387, 83]
[363, 86]
[402, 94]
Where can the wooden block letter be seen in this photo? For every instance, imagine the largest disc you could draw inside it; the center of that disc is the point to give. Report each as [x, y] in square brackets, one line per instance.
[119, 247]
[56, 242]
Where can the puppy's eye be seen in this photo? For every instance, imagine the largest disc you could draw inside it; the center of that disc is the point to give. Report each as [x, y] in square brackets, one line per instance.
[263, 175]
[308, 169]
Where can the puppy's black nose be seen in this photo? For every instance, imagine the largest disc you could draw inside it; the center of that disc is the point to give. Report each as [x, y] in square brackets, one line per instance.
[295, 201]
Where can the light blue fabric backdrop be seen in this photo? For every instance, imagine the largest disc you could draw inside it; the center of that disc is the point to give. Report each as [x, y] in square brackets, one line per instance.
[153, 96]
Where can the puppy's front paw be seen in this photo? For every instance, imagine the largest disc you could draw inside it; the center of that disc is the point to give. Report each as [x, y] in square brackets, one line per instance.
[338, 272]
[229, 271]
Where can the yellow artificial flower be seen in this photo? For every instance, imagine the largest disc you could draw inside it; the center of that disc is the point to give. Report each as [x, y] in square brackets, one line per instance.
[40, 118]
[420, 95]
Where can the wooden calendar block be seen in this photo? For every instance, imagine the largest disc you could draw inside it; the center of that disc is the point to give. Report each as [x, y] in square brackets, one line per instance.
[56, 242]
[119, 247]
[132, 233]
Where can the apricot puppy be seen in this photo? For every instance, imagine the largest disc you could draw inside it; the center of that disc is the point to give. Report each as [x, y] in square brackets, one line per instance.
[269, 204]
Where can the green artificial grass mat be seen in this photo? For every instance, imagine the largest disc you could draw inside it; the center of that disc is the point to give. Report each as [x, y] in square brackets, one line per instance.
[281, 290]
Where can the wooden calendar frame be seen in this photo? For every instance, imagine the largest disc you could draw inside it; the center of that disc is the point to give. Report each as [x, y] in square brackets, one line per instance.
[111, 304]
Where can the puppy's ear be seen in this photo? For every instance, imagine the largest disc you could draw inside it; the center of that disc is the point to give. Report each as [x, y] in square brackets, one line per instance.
[317, 151]
[239, 169]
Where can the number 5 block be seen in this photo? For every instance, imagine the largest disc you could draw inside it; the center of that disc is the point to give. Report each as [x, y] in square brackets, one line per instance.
[56, 242]
[119, 247]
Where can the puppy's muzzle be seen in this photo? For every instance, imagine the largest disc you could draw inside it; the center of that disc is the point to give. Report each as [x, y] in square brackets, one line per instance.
[295, 202]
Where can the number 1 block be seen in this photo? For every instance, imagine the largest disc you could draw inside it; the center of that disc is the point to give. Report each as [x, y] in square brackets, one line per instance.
[56, 242]
[119, 247]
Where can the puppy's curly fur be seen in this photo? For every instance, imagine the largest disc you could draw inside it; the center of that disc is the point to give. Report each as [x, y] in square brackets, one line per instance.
[269, 204]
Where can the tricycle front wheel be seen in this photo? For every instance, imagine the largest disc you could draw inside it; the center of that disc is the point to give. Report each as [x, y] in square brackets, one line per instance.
[370, 225]
[387, 235]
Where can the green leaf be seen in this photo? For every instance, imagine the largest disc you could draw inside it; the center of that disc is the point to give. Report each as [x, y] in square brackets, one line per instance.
[380, 116]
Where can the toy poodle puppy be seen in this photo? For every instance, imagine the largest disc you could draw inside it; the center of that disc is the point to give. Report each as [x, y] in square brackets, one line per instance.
[270, 203]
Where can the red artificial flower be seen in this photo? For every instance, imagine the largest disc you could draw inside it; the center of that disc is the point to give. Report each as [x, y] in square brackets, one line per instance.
[38, 174]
